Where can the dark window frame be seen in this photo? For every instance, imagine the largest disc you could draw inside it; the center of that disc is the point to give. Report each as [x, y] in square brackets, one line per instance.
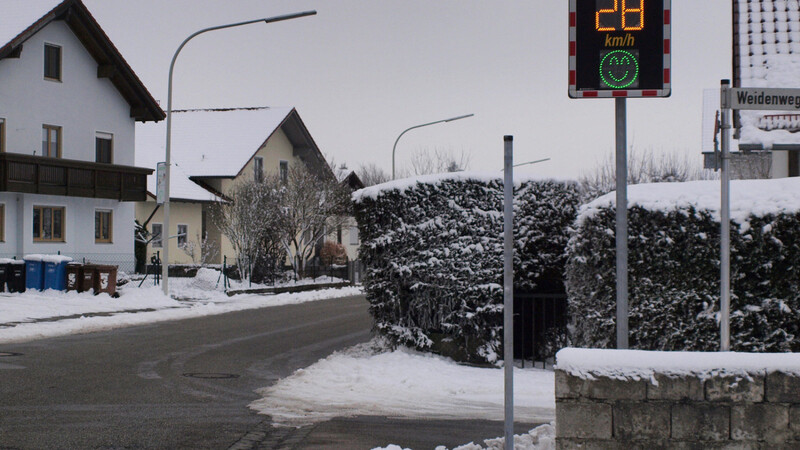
[158, 238]
[103, 139]
[52, 62]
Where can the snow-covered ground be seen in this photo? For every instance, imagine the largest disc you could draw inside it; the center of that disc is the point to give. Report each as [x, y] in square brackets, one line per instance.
[35, 315]
[369, 380]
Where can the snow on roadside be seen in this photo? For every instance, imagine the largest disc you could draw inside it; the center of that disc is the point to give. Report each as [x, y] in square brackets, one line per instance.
[36, 315]
[402, 383]
[542, 437]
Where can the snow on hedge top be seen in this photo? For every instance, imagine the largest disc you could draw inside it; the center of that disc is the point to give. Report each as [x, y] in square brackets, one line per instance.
[639, 364]
[748, 197]
[404, 184]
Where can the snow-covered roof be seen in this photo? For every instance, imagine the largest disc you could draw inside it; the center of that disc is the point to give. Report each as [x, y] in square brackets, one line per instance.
[766, 37]
[748, 197]
[209, 143]
[404, 184]
[21, 19]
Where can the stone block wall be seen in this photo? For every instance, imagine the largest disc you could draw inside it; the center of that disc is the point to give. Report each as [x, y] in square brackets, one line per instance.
[759, 409]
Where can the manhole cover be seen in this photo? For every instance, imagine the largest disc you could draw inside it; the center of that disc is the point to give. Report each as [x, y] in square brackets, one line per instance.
[10, 354]
[210, 375]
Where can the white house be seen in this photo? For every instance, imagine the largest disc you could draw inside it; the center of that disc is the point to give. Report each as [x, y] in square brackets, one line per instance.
[68, 107]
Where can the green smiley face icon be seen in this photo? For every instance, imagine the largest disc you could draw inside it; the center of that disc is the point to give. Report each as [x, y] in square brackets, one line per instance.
[619, 69]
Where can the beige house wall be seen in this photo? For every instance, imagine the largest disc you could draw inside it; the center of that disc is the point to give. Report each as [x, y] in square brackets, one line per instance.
[181, 213]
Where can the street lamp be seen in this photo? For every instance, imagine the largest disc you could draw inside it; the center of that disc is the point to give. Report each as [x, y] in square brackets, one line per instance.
[165, 228]
[420, 126]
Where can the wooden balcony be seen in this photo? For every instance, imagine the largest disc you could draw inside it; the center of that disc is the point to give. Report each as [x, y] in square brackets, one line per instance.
[72, 178]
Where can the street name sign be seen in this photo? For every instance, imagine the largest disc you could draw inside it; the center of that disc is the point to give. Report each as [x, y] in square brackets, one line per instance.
[765, 99]
[619, 48]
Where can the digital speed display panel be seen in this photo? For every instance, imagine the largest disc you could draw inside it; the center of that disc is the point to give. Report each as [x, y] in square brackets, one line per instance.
[619, 48]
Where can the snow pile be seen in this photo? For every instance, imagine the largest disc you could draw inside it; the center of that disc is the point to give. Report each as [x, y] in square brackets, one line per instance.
[403, 383]
[433, 248]
[642, 365]
[36, 315]
[674, 267]
[540, 438]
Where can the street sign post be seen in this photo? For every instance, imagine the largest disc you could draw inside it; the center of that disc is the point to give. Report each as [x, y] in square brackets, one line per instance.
[748, 98]
[620, 49]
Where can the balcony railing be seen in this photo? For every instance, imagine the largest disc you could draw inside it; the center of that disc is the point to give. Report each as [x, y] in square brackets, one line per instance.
[72, 178]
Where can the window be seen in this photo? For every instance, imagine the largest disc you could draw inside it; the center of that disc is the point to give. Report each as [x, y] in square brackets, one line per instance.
[48, 224]
[2, 223]
[2, 135]
[183, 232]
[284, 171]
[157, 228]
[353, 235]
[258, 169]
[51, 141]
[102, 226]
[52, 62]
[339, 234]
[103, 146]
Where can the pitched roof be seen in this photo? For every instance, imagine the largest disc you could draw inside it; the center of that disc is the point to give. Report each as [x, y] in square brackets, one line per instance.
[21, 19]
[220, 142]
[766, 53]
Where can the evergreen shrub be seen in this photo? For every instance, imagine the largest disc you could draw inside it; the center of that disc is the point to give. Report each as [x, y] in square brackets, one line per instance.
[674, 268]
[433, 250]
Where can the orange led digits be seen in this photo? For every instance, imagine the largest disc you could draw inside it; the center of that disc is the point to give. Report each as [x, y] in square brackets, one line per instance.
[626, 11]
[606, 11]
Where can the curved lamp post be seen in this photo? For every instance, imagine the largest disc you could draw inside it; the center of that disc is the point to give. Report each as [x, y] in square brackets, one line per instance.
[165, 228]
[420, 126]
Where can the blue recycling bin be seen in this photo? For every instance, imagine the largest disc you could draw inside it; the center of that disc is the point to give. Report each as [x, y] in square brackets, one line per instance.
[55, 272]
[34, 272]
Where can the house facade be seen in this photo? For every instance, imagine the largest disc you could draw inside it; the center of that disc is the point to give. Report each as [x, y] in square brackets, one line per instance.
[211, 151]
[68, 107]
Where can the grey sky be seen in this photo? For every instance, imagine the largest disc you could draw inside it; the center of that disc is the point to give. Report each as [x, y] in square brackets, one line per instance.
[362, 71]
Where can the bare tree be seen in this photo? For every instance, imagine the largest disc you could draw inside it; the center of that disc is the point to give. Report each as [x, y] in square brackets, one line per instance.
[309, 206]
[643, 167]
[438, 160]
[201, 250]
[370, 174]
[340, 171]
[250, 218]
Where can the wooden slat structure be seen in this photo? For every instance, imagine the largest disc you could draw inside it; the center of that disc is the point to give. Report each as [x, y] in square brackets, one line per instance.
[72, 178]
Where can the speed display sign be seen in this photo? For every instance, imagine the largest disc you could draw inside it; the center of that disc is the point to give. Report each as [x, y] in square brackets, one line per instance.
[619, 48]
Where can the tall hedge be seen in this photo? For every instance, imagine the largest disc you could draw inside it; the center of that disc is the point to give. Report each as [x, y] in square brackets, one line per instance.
[433, 249]
[674, 270]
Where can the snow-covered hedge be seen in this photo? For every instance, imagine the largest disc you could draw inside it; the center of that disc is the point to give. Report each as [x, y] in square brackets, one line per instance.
[674, 267]
[433, 249]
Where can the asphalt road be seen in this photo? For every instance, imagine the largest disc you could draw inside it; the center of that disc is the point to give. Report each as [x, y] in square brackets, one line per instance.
[133, 388]
[187, 384]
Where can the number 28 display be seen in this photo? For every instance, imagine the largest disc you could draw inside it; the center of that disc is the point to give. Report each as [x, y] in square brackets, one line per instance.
[619, 48]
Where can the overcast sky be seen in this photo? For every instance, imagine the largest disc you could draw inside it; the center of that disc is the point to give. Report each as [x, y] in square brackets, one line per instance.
[362, 71]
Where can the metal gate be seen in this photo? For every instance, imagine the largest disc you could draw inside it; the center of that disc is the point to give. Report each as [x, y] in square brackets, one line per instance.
[540, 326]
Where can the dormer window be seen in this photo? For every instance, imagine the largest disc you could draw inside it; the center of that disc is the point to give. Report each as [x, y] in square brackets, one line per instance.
[52, 62]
